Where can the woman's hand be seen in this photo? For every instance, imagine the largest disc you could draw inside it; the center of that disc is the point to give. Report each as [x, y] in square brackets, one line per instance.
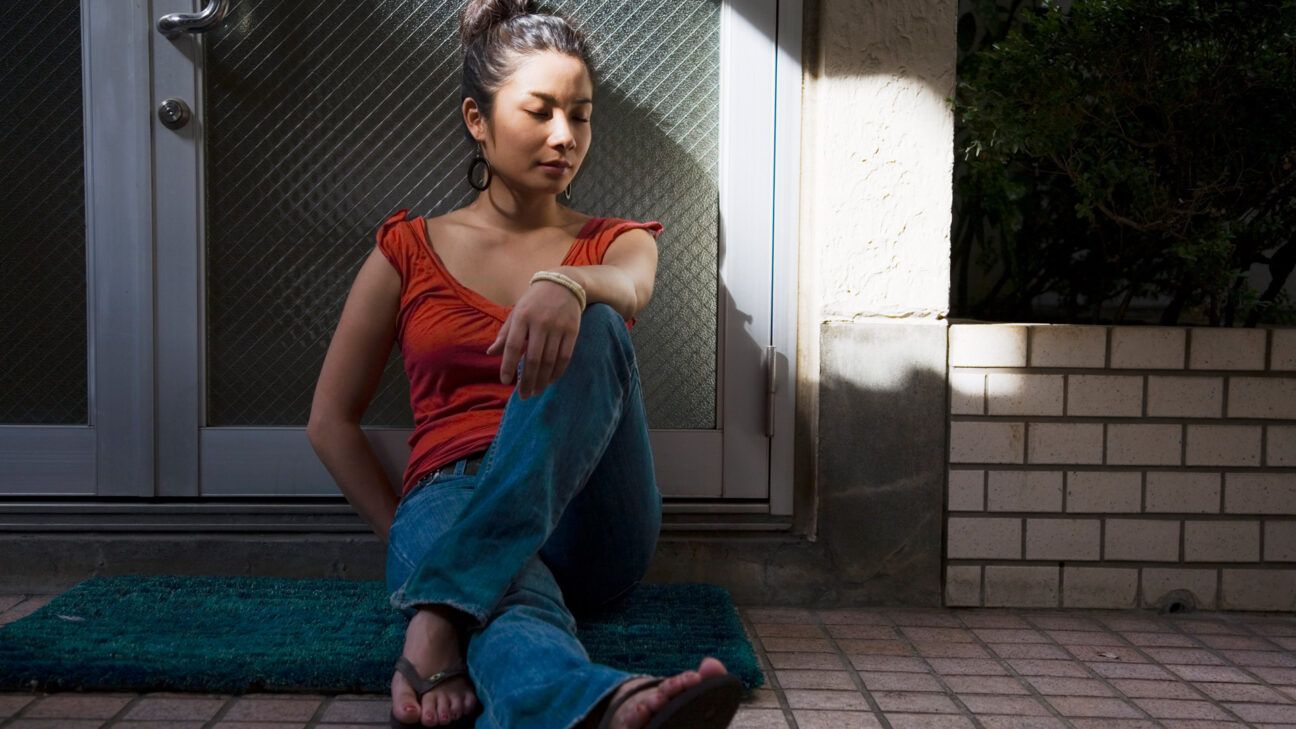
[544, 323]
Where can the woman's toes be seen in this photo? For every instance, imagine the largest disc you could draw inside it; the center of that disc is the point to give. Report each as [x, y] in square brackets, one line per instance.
[658, 698]
[430, 714]
[406, 711]
[443, 709]
[711, 667]
[404, 704]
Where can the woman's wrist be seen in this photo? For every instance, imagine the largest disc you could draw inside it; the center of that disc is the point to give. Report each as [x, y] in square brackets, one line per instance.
[565, 281]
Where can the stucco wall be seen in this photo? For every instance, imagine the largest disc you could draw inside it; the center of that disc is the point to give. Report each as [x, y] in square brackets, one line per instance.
[876, 181]
[878, 160]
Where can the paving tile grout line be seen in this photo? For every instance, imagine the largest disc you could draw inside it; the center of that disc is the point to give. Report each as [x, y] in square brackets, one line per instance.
[1089, 669]
[759, 645]
[957, 701]
[124, 710]
[1154, 662]
[1003, 662]
[322, 709]
[1228, 661]
[1172, 628]
[851, 671]
[1160, 664]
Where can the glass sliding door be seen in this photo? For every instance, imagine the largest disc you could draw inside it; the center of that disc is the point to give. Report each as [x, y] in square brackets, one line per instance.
[312, 122]
[75, 302]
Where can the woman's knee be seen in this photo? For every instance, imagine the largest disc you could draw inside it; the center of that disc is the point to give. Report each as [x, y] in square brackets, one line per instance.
[601, 319]
[602, 311]
[603, 334]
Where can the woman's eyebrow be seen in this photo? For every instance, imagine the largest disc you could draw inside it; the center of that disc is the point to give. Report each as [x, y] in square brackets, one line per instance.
[553, 100]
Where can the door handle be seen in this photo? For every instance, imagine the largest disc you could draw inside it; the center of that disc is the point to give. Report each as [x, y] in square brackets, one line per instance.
[210, 17]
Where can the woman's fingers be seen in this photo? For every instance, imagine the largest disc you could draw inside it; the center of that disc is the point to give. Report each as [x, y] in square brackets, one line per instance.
[532, 374]
[513, 346]
[545, 376]
[546, 339]
[494, 346]
[565, 349]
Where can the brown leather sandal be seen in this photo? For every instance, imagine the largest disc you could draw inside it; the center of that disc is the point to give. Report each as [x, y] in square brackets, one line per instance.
[423, 685]
[710, 704]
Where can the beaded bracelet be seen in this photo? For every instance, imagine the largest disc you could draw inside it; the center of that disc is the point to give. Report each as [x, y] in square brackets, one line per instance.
[558, 278]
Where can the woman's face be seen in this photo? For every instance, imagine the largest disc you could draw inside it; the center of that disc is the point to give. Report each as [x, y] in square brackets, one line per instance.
[541, 115]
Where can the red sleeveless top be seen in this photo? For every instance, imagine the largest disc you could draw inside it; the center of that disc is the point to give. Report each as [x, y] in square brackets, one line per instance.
[443, 330]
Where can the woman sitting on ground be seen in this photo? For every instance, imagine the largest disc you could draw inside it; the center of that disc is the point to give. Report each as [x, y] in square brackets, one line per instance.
[523, 505]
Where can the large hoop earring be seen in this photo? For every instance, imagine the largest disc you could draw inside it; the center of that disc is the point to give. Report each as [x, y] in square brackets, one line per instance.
[473, 165]
[567, 193]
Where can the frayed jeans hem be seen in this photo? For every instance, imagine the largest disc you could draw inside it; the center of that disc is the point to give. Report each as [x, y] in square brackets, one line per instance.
[409, 607]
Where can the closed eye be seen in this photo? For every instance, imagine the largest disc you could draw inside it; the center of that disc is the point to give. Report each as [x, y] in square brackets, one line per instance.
[542, 115]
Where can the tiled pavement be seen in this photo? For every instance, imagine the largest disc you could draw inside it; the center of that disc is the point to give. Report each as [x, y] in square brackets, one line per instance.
[865, 668]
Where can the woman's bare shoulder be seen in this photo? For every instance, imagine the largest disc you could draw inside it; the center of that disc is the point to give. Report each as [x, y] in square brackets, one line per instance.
[577, 218]
[452, 224]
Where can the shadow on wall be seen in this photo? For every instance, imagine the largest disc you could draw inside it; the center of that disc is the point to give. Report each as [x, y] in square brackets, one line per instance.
[872, 398]
[881, 482]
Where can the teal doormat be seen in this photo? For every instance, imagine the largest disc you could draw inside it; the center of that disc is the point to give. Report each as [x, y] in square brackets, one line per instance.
[237, 635]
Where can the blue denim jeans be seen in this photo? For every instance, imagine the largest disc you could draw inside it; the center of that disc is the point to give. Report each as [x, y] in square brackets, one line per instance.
[562, 516]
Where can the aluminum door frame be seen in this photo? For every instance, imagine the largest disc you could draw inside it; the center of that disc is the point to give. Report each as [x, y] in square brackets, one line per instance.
[111, 455]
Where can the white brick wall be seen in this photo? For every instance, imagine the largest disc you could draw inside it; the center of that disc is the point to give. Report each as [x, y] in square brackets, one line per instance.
[1185, 397]
[1016, 586]
[1221, 541]
[1024, 491]
[1145, 444]
[1281, 448]
[1065, 442]
[1099, 587]
[1183, 492]
[1105, 395]
[1024, 394]
[1067, 346]
[1104, 491]
[1223, 445]
[1134, 540]
[1280, 541]
[1226, 349]
[1063, 539]
[1104, 467]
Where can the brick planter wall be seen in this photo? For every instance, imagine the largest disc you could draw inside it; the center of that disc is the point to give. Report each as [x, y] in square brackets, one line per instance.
[1095, 466]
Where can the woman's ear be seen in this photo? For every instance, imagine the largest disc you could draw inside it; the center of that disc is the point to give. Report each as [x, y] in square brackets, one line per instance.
[473, 118]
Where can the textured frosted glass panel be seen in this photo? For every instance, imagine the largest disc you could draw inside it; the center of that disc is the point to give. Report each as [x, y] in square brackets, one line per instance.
[322, 122]
[42, 215]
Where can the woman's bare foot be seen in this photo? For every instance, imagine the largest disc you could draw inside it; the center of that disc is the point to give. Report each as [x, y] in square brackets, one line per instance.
[636, 712]
[432, 644]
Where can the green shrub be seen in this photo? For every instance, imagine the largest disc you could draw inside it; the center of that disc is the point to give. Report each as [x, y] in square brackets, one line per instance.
[1131, 148]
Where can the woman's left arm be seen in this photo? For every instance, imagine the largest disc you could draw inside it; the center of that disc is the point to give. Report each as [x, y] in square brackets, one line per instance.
[625, 278]
[544, 324]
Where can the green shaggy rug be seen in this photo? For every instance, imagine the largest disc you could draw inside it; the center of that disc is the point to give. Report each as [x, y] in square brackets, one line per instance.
[238, 635]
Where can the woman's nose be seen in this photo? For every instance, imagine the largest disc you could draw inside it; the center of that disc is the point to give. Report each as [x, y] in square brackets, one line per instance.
[562, 135]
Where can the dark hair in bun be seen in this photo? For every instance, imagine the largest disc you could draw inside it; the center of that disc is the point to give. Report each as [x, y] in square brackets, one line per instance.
[495, 34]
